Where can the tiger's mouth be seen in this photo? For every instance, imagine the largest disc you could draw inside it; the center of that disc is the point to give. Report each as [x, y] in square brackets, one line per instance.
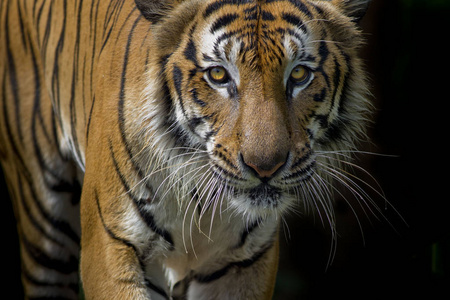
[264, 195]
[261, 201]
[261, 196]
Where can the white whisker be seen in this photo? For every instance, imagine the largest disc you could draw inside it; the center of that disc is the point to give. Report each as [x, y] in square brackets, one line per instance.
[348, 203]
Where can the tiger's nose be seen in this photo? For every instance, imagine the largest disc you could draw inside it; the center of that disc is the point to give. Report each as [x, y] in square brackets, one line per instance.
[267, 168]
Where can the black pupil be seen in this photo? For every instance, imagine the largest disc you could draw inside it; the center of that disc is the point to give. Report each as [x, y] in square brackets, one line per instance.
[218, 75]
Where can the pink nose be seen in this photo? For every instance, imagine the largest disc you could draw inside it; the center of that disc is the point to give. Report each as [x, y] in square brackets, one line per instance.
[265, 172]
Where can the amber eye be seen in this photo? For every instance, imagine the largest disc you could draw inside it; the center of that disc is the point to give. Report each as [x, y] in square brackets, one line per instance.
[300, 75]
[218, 75]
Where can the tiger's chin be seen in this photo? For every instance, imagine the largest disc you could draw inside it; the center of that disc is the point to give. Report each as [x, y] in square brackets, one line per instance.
[262, 201]
[260, 198]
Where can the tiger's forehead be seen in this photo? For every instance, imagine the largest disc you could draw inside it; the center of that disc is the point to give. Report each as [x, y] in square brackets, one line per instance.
[257, 32]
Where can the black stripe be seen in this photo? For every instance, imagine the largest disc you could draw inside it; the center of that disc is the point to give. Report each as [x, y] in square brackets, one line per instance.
[89, 120]
[38, 21]
[124, 23]
[223, 21]
[13, 78]
[105, 40]
[337, 127]
[318, 9]
[75, 68]
[74, 286]
[122, 178]
[267, 16]
[240, 264]
[140, 204]
[26, 208]
[157, 289]
[196, 99]
[291, 32]
[336, 82]
[93, 21]
[6, 121]
[113, 12]
[335, 131]
[225, 175]
[109, 13]
[302, 174]
[55, 73]
[48, 28]
[177, 77]
[22, 29]
[291, 19]
[9, 135]
[127, 243]
[320, 97]
[224, 36]
[121, 103]
[298, 4]
[196, 121]
[294, 20]
[251, 13]
[302, 7]
[247, 231]
[110, 233]
[323, 53]
[306, 156]
[59, 225]
[323, 120]
[37, 99]
[213, 7]
[40, 257]
[190, 52]
[211, 133]
[54, 130]
[225, 159]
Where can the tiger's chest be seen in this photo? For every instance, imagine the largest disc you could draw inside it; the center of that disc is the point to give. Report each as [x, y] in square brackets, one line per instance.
[200, 243]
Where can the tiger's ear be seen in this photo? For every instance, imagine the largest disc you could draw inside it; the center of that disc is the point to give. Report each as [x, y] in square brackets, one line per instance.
[355, 9]
[154, 10]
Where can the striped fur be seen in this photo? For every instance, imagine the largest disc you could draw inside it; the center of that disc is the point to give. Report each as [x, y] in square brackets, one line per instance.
[118, 144]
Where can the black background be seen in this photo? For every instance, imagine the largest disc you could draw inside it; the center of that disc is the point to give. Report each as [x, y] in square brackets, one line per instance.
[407, 56]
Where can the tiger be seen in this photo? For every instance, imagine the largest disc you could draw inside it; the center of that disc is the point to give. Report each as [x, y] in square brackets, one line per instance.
[152, 148]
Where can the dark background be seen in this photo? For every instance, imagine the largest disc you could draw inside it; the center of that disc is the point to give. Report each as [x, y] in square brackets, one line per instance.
[407, 56]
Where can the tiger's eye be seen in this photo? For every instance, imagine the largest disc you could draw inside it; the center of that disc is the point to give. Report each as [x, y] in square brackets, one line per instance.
[300, 75]
[218, 75]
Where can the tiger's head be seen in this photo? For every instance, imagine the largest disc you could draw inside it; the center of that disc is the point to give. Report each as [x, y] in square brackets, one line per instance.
[254, 97]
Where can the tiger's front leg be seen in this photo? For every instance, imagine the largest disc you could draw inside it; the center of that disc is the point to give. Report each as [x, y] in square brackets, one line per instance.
[111, 266]
[249, 279]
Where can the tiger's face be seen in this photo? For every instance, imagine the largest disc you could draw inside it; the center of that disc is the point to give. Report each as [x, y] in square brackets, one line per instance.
[262, 88]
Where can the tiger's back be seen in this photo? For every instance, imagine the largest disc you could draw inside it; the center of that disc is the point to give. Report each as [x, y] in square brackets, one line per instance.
[186, 129]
